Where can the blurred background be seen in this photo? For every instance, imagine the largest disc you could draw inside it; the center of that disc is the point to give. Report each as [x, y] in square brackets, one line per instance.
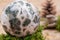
[37, 3]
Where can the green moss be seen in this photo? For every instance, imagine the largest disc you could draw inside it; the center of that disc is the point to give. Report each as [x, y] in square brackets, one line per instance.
[58, 24]
[35, 36]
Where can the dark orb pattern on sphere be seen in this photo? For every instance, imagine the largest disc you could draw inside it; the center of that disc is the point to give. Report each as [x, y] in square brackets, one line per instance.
[20, 18]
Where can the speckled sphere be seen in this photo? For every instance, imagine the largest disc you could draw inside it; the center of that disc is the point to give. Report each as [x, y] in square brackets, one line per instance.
[20, 18]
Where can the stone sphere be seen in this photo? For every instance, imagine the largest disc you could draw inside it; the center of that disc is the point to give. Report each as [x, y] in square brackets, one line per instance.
[20, 18]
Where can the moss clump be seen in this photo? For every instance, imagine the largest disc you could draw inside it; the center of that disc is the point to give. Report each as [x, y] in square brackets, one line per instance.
[35, 36]
[58, 24]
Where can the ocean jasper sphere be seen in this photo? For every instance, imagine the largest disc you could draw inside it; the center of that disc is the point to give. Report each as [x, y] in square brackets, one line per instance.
[20, 18]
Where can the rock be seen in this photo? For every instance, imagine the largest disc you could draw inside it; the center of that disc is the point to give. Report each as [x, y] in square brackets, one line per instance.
[51, 19]
[20, 18]
[51, 35]
[50, 16]
[51, 25]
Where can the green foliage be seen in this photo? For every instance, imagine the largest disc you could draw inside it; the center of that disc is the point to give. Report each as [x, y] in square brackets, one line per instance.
[35, 36]
[58, 24]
